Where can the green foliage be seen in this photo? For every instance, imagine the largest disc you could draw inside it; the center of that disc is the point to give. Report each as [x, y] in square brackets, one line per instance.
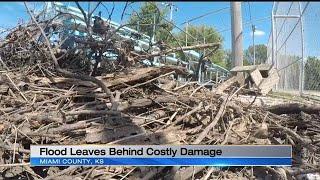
[228, 60]
[144, 19]
[246, 62]
[202, 34]
[312, 74]
[261, 54]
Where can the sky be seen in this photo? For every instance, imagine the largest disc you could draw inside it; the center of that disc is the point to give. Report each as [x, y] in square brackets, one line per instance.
[11, 12]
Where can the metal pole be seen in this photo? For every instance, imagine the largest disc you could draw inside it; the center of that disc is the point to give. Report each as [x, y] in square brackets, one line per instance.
[187, 33]
[138, 22]
[171, 11]
[301, 76]
[254, 47]
[286, 16]
[204, 42]
[217, 76]
[272, 38]
[236, 34]
[274, 59]
[154, 27]
[199, 77]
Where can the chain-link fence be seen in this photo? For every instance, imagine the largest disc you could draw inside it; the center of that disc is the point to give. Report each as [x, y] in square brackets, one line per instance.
[294, 46]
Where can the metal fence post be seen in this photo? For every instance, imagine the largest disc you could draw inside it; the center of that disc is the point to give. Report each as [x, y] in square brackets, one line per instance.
[272, 36]
[301, 76]
[274, 61]
[217, 76]
[199, 74]
[154, 28]
[187, 33]
[254, 46]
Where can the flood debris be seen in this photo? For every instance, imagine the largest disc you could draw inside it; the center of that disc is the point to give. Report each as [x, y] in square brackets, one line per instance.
[263, 76]
[52, 95]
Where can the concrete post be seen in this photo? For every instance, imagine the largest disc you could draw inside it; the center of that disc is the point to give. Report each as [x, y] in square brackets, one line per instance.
[236, 34]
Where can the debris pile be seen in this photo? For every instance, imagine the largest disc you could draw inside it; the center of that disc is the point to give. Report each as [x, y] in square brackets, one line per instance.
[48, 96]
[263, 76]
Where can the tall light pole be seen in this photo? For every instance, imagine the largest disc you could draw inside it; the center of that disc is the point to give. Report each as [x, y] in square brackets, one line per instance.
[236, 34]
[187, 33]
[154, 28]
[254, 47]
[171, 7]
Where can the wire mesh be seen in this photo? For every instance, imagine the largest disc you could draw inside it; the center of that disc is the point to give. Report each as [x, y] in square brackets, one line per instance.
[196, 32]
[295, 46]
[311, 24]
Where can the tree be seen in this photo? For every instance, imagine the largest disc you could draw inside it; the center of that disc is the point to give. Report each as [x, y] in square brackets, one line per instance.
[228, 59]
[199, 35]
[148, 15]
[261, 54]
[312, 74]
[143, 21]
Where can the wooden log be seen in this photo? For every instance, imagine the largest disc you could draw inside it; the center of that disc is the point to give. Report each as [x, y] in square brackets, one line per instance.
[219, 114]
[188, 174]
[141, 75]
[69, 127]
[152, 117]
[4, 88]
[109, 134]
[3, 146]
[294, 108]
[256, 77]
[118, 81]
[168, 136]
[261, 67]
[186, 48]
[169, 85]
[147, 102]
[234, 79]
[137, 103]
[267, 84]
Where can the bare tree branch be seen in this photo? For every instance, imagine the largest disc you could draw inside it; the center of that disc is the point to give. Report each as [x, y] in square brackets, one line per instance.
[70, 74]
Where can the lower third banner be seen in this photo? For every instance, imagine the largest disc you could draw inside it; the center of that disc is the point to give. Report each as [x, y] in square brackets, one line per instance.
[161, 155]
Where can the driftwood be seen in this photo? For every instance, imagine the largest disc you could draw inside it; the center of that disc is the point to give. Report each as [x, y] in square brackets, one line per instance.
[116, 81]
[48, 96]
[261, 67]
[294, 108]
[239, 78]
[144, 116]
[204, 133]
[186, 48]
[264, 76]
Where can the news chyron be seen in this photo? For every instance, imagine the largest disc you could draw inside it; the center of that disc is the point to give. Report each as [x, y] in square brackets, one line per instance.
[161, 155]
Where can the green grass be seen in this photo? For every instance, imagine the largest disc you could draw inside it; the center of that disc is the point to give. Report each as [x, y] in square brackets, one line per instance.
[294, 96]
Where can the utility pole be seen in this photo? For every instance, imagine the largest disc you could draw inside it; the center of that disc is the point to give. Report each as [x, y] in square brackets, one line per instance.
[171, 11]
[204, 42]
[138, 22]
[154, 28]
[236, 34]
[254, 47]
[171, 7]
[187, 33]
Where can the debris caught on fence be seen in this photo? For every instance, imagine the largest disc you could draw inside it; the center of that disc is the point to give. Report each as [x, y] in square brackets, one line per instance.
[263, 76]
[49, 95]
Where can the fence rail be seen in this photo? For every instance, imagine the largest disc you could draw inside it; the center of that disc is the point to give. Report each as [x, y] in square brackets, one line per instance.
[294, 46]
